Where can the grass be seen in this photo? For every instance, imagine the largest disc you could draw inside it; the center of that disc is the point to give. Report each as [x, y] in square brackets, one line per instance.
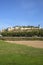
[15, 54]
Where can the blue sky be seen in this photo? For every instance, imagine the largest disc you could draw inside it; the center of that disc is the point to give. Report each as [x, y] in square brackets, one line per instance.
[21, 12]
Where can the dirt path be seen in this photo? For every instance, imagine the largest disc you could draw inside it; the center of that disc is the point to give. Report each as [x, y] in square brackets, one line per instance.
[36, 44]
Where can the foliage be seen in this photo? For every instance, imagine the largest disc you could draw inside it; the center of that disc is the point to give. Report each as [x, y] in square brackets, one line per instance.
[26, 33]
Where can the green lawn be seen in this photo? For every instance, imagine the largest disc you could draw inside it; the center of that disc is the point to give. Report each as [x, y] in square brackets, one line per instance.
[15, 54]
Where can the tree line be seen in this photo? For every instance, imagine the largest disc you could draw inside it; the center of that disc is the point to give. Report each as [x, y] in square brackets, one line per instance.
[32, 33]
